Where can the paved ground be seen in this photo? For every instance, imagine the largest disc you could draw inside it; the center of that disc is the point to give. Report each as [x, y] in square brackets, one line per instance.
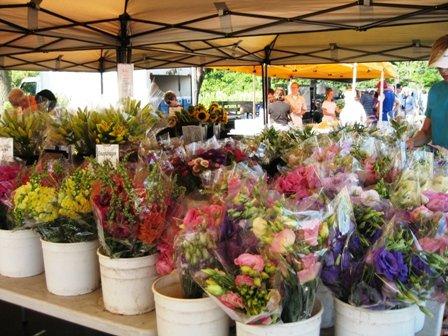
[37, 324]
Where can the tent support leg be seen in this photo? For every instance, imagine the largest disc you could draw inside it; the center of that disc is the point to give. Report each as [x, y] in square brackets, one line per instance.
[264, 81]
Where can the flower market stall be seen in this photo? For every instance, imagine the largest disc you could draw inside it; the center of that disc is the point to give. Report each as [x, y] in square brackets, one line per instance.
[153, 225]
[278, 232]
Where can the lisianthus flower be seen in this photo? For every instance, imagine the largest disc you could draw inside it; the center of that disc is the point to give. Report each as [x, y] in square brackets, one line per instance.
[370, 198]
[232, 300]
[421, 213]
[310, 230]
[283, 241]
[437, 201]
[310, 269]
[390, 264]
[253, 261]
[242, 279]
[419, 266]
[233, 186]
[259, 226]
[433, 245]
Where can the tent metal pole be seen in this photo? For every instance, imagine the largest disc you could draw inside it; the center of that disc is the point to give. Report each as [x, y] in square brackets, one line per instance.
[355, 74]
[381, 98]
[264, 79]
[254, 88]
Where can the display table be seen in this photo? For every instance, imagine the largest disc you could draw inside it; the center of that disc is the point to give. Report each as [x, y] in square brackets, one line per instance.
[86, 310]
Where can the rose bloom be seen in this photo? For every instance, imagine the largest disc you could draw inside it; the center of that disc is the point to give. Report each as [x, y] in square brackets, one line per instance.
[193, 218]
[214, 211]
[310, 269]
[232, 300]
[241, 280]
[253, 261]
[282, 241]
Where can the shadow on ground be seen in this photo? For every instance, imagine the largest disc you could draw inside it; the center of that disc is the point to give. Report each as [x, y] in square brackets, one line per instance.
[36, 324]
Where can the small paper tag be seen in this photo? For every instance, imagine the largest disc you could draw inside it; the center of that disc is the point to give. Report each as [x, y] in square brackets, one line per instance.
[6, 149]
[108, 153]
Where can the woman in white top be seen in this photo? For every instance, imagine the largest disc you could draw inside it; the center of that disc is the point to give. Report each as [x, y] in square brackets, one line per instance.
[353, 111]
[297, 103]
[329, 107]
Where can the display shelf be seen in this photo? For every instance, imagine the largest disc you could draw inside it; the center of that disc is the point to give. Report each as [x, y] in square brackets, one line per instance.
[86, 310]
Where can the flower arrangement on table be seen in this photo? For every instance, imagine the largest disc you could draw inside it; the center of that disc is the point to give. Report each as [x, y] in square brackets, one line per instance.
[199, 114]
[131, 208]
[377, 263]
[270, 258]
[407, 193]
[196, 243]
[126, 125]
[74, 221]
[194, 164]
[35, 200]
[29, 131]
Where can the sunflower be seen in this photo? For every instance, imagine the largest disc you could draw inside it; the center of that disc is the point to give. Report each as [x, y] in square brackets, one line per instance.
[202, 115]
[224, 117]
[213, 107]
[213, 117]
[192, 111]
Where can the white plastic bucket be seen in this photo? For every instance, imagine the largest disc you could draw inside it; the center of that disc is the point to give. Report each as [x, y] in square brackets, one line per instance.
[308, 327]
[433, 325]
[419, 318]
[326, 297]
[20, 253]
[126, 284]
[356, 321]
[71, 268]
[177, 316]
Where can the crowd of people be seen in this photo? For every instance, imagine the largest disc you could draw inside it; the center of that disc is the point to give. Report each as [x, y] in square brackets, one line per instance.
[359, 106]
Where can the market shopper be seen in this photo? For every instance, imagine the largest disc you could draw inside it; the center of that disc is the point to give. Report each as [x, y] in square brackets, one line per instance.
[367, 101]
[353, 111]
[279, 111]
[271, 95]
[436, 122]
[329, 108]
[170, 99]
[390, 102]
[46, 100]
[20, 100]
[297, 103]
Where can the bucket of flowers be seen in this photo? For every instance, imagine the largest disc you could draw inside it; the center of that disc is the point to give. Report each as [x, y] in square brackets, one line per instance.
[131, 206]
[31, 200]
[270, 258]
[69, 242]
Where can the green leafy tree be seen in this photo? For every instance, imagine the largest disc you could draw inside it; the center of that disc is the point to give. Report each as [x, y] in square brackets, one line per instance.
[417, 73]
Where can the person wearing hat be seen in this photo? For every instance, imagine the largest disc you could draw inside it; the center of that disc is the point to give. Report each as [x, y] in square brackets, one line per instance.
[435, 125]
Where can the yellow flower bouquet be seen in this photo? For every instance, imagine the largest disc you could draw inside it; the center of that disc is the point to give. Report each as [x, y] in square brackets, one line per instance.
[74, 218]
[29, 131]
[84, 129]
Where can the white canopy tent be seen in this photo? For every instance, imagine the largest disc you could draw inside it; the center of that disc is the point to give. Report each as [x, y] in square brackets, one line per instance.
[93, 35]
